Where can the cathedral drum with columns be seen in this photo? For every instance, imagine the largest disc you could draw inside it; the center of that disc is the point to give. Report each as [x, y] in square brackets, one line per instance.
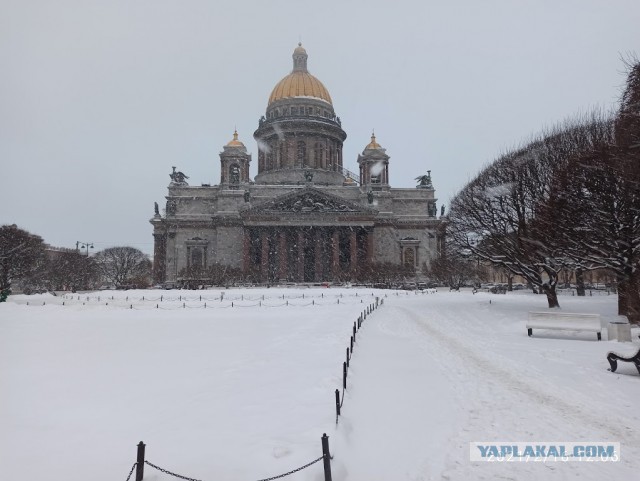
[304, 218]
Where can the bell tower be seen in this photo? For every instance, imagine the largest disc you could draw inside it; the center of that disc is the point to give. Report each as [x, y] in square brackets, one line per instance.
[374, 165]
[234, 164]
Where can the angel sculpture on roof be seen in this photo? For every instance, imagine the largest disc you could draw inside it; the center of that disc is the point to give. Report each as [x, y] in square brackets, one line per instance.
[178, 177]
[425, 180]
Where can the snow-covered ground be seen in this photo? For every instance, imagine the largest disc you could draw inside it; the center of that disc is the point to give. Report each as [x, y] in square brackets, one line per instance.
[245, 392]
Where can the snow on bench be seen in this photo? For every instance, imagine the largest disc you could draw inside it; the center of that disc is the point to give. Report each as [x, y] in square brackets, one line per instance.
[565, 321]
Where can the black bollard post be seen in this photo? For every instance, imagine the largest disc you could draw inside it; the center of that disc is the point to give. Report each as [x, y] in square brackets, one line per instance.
[337, 404]
[352, 344]
[347, 357]
[326, 457]
[140, 462]
[344, 375]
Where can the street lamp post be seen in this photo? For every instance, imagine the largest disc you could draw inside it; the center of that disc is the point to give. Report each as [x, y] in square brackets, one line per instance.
[83, 245]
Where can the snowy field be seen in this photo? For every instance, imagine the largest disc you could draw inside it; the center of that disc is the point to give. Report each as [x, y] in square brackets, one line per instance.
[245, 392]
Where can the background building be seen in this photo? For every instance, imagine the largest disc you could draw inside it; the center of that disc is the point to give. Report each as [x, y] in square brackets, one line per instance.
[305, 217]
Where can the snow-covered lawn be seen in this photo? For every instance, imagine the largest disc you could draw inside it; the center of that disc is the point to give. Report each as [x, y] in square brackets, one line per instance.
[245, 392]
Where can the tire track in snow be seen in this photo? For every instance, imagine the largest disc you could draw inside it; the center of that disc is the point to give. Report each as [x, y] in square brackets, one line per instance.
[511, 380]
[498, 398]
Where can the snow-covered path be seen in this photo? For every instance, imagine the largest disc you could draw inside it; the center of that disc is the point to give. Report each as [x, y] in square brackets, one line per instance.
[398, 407]
[468, 385]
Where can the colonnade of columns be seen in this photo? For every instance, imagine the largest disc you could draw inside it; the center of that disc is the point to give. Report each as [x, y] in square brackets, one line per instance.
[306, 254]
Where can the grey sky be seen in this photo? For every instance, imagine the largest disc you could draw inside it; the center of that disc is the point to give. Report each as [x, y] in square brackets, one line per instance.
[98, 99]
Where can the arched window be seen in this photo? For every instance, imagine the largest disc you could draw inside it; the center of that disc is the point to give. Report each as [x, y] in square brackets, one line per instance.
[302, 153]
[234, 174]
[319, 154]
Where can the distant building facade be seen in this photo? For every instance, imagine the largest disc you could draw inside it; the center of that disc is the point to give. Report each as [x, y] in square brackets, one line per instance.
[304, 217]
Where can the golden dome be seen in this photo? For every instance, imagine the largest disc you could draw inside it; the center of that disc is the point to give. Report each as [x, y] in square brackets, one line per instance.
[235, 142]
[299, 83]
[373, 144]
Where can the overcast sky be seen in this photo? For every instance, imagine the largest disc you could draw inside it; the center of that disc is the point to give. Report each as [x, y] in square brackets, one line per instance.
[98, 99]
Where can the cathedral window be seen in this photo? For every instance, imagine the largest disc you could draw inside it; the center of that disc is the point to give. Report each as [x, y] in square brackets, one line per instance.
[302, 153]
[234, 174]
[409, 257]
[318, 154]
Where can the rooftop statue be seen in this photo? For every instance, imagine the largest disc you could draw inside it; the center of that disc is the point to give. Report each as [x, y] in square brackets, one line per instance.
[425, 180]
[178, 177]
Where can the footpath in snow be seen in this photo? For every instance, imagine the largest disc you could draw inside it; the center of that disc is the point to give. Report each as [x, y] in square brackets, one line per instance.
[432, 374]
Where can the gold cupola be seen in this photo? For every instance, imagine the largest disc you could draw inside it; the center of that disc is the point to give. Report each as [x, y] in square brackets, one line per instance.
[373, 144]
[299, 83]
[235, 142]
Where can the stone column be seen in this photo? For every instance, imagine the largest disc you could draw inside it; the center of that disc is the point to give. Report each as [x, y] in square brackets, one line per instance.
[300, 259]
[282, 255]
[264, 258]
[370, 246]
[317, 251]
[246, 251]
[335, 254]
[353, 253]
[159, 257]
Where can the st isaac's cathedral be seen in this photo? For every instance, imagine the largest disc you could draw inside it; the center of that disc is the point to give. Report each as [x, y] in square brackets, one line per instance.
[304, 217]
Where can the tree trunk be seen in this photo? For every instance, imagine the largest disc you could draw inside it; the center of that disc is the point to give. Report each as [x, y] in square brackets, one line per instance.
[580, 290]
[633, 298]
[623, 287]
[552, 295]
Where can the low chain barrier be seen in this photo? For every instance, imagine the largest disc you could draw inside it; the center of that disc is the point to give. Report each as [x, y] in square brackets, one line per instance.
[141, 461]
[127, 304]
[131, 471]
[357, 325]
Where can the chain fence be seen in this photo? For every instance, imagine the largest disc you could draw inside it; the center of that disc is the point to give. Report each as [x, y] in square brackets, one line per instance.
[224, 302]
[186, 478]
[131, 471]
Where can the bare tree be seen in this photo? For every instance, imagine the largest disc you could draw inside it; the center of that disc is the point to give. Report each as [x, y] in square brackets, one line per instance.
[21, 255]
[456, 269]
[495, 216]
[122, 265]
[596, 202]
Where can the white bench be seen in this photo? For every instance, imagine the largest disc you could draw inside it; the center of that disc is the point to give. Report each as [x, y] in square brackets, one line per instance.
[565, 321]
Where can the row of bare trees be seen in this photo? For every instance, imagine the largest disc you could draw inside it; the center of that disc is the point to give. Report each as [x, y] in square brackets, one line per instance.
[569, 199]
[26, 260]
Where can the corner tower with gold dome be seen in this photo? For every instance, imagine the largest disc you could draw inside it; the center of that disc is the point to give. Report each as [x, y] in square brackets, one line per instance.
[300, 132]
[304, 217]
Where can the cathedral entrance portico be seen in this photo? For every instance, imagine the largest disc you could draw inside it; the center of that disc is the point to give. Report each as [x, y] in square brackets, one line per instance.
[305, 253]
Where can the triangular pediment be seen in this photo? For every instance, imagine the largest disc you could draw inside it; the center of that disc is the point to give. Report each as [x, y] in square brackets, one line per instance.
[308, 201]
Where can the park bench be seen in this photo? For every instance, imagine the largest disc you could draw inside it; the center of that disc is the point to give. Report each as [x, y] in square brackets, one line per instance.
[565, 321]
[613, 359]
